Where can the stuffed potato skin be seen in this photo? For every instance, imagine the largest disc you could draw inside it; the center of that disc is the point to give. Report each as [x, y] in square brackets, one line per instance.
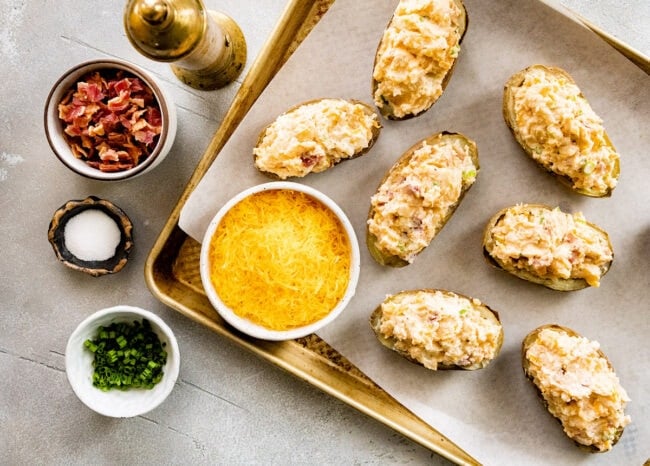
[556, 127]
[401, 320]
[425, 191]
[428, 63]
[555, 378]
[589, 244]
[314, 136]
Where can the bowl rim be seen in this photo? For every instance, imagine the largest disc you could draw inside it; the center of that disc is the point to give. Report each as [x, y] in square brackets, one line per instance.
[244, 325]
[80, 374]
[67, 79]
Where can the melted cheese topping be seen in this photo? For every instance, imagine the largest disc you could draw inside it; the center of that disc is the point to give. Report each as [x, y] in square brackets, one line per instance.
[417, 50]
[313, 137]
[439, 329]
[581, 389]
[281, 259]
[412, 204]
[550, 243]
[563, 132]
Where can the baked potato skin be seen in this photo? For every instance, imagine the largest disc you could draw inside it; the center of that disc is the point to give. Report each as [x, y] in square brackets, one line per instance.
[368, 110]
[527, 342]
[556, 283]
[384, 258]
[386, 110]
[510, 117]
[375, 323]
[381, 257]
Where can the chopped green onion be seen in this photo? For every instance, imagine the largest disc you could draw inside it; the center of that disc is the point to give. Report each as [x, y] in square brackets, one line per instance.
[454, 51]
[588, 167]
[121, 341]
[91, 346]
[127, 356]
[469, 175]
[462, 312]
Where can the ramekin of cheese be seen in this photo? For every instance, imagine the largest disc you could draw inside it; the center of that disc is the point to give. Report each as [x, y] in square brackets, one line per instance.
[279, 261]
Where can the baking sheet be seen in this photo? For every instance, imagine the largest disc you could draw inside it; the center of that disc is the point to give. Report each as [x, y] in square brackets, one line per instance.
[493, 413]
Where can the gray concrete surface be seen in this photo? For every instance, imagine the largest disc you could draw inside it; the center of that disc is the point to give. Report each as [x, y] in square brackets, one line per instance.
[228, 407]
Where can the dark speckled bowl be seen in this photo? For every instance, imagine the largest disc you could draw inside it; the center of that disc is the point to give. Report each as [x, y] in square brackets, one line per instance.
[68, 210]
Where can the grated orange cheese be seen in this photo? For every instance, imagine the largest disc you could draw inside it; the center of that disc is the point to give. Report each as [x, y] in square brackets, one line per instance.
[280, 259]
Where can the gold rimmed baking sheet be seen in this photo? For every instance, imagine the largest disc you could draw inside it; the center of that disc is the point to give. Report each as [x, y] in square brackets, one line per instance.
[172, 268]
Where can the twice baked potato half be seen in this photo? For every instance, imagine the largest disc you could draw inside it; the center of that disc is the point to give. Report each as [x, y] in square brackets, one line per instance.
[577, 385]
[555, 125]
[546, 246]
[438, 329]
[314, 136]
[416, 56]
[418, 195]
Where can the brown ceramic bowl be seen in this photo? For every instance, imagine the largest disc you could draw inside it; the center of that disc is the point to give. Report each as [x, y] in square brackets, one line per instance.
[56, 236]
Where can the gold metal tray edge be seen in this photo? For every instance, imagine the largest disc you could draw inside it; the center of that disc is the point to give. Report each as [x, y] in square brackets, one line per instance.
[635, 56]
[632, 54]
[322, 367]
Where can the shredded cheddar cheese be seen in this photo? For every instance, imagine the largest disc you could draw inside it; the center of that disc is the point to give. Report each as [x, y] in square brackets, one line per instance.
[280, 259]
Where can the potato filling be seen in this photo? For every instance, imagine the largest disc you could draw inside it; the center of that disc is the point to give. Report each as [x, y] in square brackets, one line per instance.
[413, 203]
[435, 329]
[564, 133]
[550, 244]
[315, 136]
[417, 50]
[580, 387]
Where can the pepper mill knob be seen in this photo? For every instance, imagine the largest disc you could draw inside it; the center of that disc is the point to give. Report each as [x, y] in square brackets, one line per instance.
[206, 49]
[154, 12]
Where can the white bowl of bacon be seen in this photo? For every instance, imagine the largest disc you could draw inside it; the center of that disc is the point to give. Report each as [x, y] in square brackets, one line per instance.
[108, 119]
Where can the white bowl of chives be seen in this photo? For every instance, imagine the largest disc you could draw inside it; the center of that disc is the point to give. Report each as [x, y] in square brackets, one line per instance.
[114, 402]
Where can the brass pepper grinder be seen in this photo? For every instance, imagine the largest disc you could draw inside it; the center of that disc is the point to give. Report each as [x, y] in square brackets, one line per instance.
[207, 49]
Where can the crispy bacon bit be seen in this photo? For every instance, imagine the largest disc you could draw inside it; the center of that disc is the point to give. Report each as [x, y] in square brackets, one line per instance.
[111, 119]
[309, 160]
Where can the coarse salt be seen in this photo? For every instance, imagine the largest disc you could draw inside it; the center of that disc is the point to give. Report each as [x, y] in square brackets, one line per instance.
[92, 235]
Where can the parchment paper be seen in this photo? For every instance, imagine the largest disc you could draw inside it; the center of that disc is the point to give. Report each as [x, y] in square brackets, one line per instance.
[493, 413]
